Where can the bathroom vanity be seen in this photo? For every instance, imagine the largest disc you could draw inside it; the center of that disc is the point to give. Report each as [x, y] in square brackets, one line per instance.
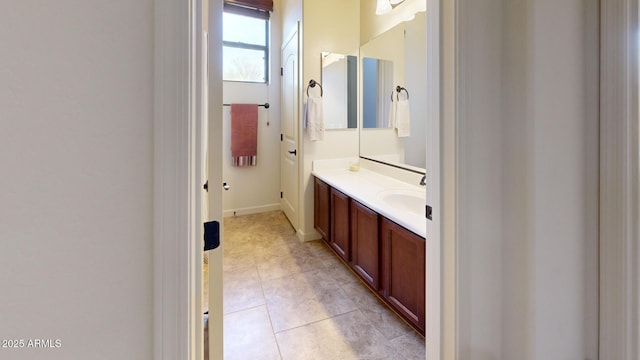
[377, 234]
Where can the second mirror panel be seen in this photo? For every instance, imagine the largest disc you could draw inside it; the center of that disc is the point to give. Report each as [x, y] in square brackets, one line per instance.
[395, 58]
[340, 96]
[382, 66]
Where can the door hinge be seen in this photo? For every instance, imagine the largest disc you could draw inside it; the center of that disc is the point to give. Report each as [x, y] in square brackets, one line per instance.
[281, 71]
[280, 137]
[428, 212]
[280, 194]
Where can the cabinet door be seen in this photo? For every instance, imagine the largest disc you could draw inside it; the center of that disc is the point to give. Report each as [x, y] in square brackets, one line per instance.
[339, 227]
[403, 269]
[321, 208]
[364, 244]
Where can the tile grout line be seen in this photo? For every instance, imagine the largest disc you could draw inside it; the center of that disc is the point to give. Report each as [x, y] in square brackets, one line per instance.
[257, 225]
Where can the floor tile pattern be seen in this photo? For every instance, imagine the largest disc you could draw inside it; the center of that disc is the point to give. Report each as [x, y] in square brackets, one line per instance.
[285, 299]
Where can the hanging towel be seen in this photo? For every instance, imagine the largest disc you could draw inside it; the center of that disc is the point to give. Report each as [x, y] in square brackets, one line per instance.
[392, 115]
[244, 134]
[403, 121]
[313, 118]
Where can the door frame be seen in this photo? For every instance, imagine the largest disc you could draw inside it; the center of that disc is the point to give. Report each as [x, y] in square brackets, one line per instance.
[619, 176]
[435, 319]
[619, 237]
[177, 221]
[175, 190]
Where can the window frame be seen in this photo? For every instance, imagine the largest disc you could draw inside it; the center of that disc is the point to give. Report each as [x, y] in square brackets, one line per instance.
[256, 14]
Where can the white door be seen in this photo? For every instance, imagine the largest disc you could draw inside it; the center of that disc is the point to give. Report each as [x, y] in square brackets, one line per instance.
[289, 129]
[213, 131]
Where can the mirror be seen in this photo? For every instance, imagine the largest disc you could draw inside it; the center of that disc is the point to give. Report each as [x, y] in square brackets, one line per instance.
[340, 84]
[404, 48]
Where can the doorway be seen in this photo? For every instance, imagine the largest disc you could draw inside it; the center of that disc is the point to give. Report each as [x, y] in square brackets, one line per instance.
[163, 313]
[302, 256]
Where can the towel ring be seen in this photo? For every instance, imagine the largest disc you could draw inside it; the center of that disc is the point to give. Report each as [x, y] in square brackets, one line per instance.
[399, 89]
[313, 83]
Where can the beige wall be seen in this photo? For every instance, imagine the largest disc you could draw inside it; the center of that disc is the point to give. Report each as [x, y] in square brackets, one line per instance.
[256, 188]
[328, 25]
[76, 148]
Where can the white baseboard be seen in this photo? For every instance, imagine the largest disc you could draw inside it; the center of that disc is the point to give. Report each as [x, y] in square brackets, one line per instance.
[310, 236]
[251, 210]
[302, 236]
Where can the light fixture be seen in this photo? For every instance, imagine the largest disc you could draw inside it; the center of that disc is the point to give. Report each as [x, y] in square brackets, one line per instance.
[383, 7]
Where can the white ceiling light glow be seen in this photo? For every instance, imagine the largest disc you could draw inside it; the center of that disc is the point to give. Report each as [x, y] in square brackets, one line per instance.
[383, 7]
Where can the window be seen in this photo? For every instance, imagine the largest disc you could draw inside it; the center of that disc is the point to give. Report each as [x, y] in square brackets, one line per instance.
[245, 50]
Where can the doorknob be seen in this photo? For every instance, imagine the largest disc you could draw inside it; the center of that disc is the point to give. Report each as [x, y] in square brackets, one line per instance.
[226, 186]
[294, 152]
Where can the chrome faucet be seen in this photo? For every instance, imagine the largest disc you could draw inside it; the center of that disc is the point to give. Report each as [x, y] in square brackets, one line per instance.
[423, 181]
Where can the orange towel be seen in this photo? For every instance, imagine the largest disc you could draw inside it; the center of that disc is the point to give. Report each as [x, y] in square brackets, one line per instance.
[244, 134]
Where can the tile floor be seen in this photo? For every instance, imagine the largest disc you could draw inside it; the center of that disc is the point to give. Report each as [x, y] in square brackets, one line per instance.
[284, 299]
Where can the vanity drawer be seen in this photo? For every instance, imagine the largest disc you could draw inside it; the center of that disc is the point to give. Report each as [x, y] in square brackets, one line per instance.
[339, 225]
[403, 269]
[365, 245]
[322, 199]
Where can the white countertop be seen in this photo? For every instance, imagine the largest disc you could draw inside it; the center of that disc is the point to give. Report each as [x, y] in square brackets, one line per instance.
[366, 186]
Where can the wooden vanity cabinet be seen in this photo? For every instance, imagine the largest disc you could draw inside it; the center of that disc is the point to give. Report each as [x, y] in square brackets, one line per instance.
[339, 224]
[365, 246]
[403, 271]
[321, 203]
[387, 257]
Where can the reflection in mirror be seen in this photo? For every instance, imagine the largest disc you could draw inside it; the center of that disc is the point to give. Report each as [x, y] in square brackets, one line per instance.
[405, 46]
[339, 81]
[377, 85]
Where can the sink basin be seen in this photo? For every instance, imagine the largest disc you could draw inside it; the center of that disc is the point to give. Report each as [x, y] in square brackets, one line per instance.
[411, 201]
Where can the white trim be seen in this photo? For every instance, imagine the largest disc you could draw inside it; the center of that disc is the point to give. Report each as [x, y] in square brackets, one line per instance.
[433, 256]
[449, 263]
[214, 168]
[176, 185]
[195, 158]
[251, 210]
[308, 236]
[619, 188]
[299, 30]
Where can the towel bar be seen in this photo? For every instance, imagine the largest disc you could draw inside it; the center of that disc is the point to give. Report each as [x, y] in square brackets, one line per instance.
[313, 83]
[399, 89]
[265, 105]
